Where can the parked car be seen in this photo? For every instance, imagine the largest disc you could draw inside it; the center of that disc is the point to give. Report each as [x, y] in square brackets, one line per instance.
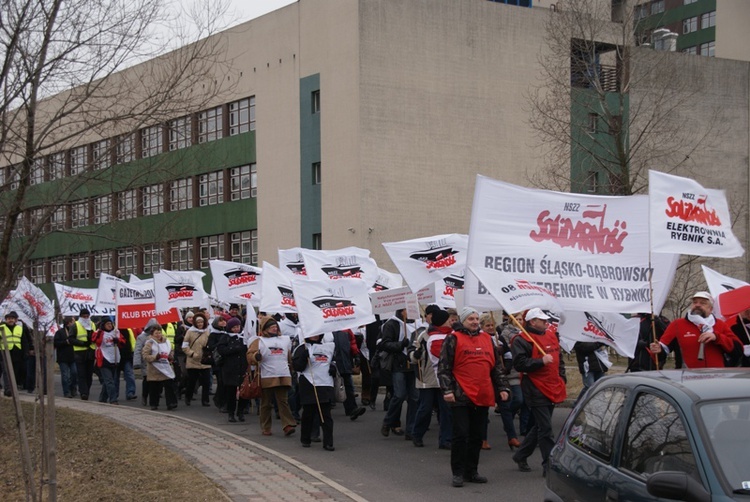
[657, 435]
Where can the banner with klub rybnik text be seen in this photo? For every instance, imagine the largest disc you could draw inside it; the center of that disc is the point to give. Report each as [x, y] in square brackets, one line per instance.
[136, 304]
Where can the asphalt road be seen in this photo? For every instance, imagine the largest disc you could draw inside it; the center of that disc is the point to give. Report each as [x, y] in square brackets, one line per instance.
[385, 469]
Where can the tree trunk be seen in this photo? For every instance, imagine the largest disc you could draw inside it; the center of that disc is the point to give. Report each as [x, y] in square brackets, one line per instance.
[51, 451]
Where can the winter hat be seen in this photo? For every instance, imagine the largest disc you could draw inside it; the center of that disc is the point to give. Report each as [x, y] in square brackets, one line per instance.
[84, 312]
[269, 322]
[439, 317]
[12, 314]
[465, 313]
[104, 320]
[189, 315]
[431, 309]
[705, 295]
[151, 325]
[232, 323]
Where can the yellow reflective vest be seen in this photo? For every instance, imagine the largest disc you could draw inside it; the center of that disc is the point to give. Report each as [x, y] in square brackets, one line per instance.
[13, 336]
[83, 335]
[169, 333]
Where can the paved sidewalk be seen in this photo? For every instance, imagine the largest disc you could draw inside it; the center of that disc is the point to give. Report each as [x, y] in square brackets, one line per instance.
[244, 469]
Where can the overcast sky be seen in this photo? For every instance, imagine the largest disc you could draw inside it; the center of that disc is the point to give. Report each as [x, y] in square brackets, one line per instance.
[250, 9]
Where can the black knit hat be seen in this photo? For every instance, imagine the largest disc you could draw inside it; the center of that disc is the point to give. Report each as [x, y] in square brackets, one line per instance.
[439, 317]
[269, 322]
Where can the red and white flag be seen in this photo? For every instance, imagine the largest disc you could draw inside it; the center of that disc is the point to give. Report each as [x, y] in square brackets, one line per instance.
[136, 304]
[386, 280]
[277, 295]
[609, 328]
[236, 282]
[340, 265]
[426, 260]
[32, 306]
[325, 306]
[718, 284]
[175, 288]
[516, 294]
[72, 300]
[689, 219]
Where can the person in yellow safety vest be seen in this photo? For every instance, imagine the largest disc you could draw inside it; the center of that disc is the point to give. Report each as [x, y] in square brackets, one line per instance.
[126, 363]
[83, 351]
[169, 332]
[18, 337]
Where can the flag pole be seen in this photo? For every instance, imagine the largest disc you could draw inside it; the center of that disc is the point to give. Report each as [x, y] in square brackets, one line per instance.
[528, 336]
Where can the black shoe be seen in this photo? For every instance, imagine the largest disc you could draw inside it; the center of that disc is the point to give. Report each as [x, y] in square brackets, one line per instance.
[523, 466]
[315, 440]
[475, 478]
[385, 430]
[206, 404]
[372, 405]
[154, 408]
[408, 437]
[7, 393]
[365, 402]
[328, 447]
[305, 445]
[231, 418]
[84, 397]
[173, 407]
[458, 481]
[130, 398]
[187, 402]
[66, 395]
[445, 446]
[397, 431]
[357, 413]
[417, 442]
[240, 417]
[144, 402]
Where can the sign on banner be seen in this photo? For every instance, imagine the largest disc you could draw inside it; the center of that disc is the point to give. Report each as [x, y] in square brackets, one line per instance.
[324, 307]
[718, 284]
[515, 294]
[689, 219]
[590, 251]
[105, 294]
[412, 307]
[72, 300]
[136, 304]
[179, 289]
[338, 266]
[236, 282]
[608, 328]
[291, 262]
[277, 295]
[428, 259]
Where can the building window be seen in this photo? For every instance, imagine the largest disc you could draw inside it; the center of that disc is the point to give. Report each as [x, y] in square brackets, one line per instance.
[688, 2]
[58, 269]
[127, 260]
[35, 217]
[153, 199]
[57, 219]
[315, 99]
[3, 177]
[316, 173]
[210, 125]
[56, 166]
[79, 214]
[182, 255]
[151, 141]
[79, 267]
[243, 182]
[100, 155]
[181, 194]
[211, 188]
[708, 20]
[19, 230]
[102, 263]
[125, 149]
[592, 182]
[37, 274]
[78, 160]
[657, 7]
[103, 209]
[690, 50]
[592, 126]
[127, 205]
[180, 133]
[641, 11]
[317, 241]
[707, 49]
[211, 248]
[242, 116]
[15, 177]
[690, 25]
[153, 258]
[37, 172]
[245, 247]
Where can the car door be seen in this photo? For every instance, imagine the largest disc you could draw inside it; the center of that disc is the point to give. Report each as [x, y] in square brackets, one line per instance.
[655, 439]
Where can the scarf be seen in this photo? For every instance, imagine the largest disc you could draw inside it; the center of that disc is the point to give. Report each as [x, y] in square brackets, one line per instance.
[704, 323]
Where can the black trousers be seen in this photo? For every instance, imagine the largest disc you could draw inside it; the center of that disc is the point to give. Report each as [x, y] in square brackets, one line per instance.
[540, 434]
[198, 375]
[308, 413]
[468, 425]
[154, 392]
[85, 369]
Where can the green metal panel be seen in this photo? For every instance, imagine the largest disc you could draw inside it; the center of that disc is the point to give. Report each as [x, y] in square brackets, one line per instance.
[310, 206]
[677, 14]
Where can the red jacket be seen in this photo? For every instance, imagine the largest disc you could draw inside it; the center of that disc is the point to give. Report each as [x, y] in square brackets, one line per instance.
[687, 335]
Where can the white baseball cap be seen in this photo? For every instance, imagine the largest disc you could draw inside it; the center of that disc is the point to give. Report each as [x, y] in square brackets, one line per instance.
[536, 313]
[704, 294]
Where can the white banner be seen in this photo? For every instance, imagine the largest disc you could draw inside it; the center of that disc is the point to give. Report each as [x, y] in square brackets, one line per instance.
[105, 294]
[291, 261]
[32, 306]
[590, 251]
[428, 259]
[390, 300]
[136, 305]
[175, 288]
[516, 294]
[387, 280]
[718, 284]
[337, 265]
[276, 291]
[72, 300]
[236, 282]
[325, 306]
[608, 328]
[690, 219]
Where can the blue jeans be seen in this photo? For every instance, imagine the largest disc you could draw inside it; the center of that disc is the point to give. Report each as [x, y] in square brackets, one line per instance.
[69, 377]
[508, 410]
[404, 387]
[129, 376]
[110, 383]
[427, 399]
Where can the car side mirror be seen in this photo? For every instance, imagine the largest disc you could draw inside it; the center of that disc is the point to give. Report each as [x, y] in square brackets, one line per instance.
[675, 485]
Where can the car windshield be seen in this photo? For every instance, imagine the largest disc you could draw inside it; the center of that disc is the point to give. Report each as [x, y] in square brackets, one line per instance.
[728, 426]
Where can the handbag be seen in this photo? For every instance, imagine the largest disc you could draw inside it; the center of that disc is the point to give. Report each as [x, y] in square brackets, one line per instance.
[207, 357]
[250, 386]
[338, 387]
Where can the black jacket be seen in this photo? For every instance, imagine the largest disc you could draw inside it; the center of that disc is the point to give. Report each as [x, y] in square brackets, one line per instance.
[586, 351]
[391, 332]
[523, 362]
[63, 346]
[234, 360]
[642, 359]
[343, 353]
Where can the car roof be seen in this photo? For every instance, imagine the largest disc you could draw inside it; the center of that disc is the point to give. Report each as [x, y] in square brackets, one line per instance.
[699, 384]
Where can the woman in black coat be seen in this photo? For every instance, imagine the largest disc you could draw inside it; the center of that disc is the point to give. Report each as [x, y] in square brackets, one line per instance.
[233, 367]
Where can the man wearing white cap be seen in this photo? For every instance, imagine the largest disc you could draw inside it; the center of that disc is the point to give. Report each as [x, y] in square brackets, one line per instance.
[702, 337]
[536, 356]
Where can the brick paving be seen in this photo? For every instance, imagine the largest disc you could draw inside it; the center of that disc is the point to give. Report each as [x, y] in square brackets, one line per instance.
[243, 469]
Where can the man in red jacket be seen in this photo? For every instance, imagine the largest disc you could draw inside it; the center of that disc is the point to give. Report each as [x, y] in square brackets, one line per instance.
[702, 337]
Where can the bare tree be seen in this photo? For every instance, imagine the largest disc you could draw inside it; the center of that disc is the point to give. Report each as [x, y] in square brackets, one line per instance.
[606, 111]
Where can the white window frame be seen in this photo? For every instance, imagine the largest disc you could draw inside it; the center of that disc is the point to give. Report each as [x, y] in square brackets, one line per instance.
[211, 124]
[152, 199]
[180, 133]
[211, 188]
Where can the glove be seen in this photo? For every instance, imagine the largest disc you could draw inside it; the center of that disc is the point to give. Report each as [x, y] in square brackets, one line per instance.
[418, 353]
[356, 361]
[405, 342]
[258, 357]
[332, 370]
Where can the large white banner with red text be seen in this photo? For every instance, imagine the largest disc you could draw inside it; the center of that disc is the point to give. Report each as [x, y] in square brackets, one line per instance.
[32, 306]
[236, 282]
[590, 251]
[136, 304]
[428, 259]
[340, 265]
[687, 218]
[326, 306]
[72, 300]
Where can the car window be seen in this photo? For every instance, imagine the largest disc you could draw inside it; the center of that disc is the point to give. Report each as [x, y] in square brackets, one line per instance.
[728, 426]
[593, 429]
[655, 439]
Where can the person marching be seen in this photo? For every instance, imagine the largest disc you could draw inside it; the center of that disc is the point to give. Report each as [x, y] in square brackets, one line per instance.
[109, 341]
[158, 354]
[195, 342]
[83, 351]
[233, 367]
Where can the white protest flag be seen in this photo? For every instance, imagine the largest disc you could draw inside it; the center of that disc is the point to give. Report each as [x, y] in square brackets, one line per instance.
[175, 288]
[276, 291]
[136, 305]
[609, 328]
[134, 279]
[340, 265]
[325, 306]
[428, 259]
[32, 306]
[687, 218]
[250, 329]
[291, 262]
[516, 294]
[72, 300]
[236, 282]
[387, 280]
[590, 251]
[718, 284]
[105, 293]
